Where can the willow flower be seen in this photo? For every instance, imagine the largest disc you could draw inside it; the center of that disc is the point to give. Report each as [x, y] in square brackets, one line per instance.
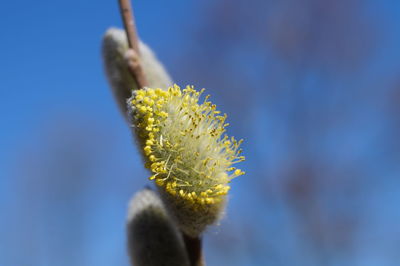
[186, 149]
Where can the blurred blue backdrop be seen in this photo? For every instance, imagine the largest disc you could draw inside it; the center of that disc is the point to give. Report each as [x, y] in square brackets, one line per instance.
[312, 86]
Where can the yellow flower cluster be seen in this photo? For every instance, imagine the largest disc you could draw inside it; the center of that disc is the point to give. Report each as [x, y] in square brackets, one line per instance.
[184, 143]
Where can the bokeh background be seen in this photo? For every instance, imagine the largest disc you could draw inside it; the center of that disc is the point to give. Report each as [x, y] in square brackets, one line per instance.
[312, 86]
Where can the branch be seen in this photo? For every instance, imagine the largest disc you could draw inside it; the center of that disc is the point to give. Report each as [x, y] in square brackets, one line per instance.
[133, 55]
[193, 247]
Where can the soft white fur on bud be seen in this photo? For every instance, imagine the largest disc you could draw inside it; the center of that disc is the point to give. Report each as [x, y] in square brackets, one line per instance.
[192, 221]
[153, 239]
[114, 49]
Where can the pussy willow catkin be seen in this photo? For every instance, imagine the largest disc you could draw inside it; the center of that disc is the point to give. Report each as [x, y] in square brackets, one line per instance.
[185, 147]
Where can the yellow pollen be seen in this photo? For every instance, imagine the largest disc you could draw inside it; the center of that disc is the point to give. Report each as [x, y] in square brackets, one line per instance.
[184, 143]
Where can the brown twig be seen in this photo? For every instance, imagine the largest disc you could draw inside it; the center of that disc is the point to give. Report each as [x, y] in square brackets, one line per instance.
[193, 248]
[193, 245]
[134, 65]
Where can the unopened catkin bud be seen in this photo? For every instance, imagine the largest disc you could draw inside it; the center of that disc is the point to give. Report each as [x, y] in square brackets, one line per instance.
[114, 50]
[153, 238]
[184, 144]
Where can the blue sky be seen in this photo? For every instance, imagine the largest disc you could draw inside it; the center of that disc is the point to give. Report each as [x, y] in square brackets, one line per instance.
[56, 104]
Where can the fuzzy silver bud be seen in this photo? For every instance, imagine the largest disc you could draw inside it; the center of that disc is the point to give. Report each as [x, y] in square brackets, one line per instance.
[153, 239]
[114, 52]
